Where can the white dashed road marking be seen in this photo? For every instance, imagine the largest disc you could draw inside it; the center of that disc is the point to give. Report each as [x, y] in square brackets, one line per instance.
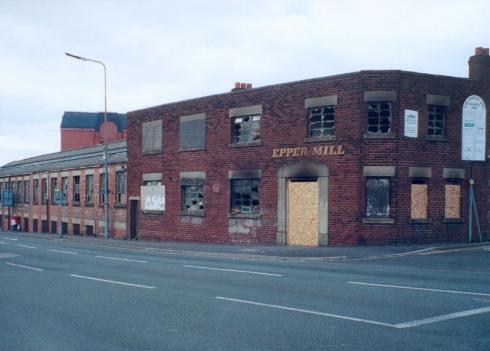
[65, 252]
[421, 289]
[26, 246]
[112, 281]
[120, 259]
[13, 239]
[232, 270]
[26, 267]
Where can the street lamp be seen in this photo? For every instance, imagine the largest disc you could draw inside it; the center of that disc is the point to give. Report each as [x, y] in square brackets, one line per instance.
[106, 161]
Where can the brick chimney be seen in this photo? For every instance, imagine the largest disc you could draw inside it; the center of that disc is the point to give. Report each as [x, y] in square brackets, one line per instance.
[479, 65]
[242, 86]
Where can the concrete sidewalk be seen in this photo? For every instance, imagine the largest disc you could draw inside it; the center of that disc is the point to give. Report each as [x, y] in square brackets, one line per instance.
[274, 252]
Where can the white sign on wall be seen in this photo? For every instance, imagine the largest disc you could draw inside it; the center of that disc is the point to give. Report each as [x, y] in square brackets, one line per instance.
[473, 129]
[153, 198]
[411, 123]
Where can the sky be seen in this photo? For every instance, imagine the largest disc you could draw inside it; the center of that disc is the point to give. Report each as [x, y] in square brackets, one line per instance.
[164, 51]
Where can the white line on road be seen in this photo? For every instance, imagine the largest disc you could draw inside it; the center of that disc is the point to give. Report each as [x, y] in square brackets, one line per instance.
[232, 270]
[26, 246]
[4, 243]
[66, 252]
[21, 266]
[403, 325]
[441, 318]
[112, 281]
[421, 289]
[353, 319]
[14, 239]
[120, 259]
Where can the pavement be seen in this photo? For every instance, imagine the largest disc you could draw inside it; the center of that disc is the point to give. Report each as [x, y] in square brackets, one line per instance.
[264, 252]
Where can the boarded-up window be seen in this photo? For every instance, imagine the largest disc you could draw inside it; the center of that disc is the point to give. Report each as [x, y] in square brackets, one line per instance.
[453, 201]
[193, 132]
[152, 137]
[418, 208]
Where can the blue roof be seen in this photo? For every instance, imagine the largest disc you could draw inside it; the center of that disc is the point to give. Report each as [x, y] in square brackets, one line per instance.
[93, 120]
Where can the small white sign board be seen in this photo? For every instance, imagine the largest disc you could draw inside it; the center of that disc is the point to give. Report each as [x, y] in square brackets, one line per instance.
[153, 198]
[473, 129]
[411, 123]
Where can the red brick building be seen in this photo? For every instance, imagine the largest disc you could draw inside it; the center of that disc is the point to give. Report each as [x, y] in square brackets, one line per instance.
[367, 157]
[78, 174]
[83, 129]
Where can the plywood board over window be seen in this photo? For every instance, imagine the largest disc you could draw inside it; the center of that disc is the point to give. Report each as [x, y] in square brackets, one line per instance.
[418, 208]
[453, 201]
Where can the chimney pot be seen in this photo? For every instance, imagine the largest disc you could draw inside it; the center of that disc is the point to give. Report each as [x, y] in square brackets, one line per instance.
[486, 51]
[249, 85]
[479, 51]
[237, 85]
[243, 86]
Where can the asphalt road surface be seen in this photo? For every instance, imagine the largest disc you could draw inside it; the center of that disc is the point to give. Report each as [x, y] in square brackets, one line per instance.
[61, 295]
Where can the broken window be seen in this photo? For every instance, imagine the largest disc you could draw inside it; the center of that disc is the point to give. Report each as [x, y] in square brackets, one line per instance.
[436, 119]
[419, 200]
[35, 191]
[26, 191]
[377, 197]
[152, 182]
[452, 209]
[245, 196]
[321, 121]
[379, 117]
[102, 190]
[54, 189]
[121, 187]
[76, 189]
[64, 190]
[246, 129]
[89, 190]
[44, 191]
[192, 195]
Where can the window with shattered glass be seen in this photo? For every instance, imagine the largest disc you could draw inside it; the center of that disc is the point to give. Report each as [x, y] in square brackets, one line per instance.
[379, 117]
[321, 121]
[245, 196]
[377, 197]
[435, 120]
[246, 129]
[193, 198]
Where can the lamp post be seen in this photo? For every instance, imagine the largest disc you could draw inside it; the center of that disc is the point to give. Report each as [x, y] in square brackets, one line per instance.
[106, 161]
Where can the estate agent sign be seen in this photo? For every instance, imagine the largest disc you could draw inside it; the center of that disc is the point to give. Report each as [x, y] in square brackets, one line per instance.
[474, 129]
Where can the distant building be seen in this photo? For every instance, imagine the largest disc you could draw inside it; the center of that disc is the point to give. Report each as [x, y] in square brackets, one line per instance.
[78, 174]
[82, 129]
[370, 157]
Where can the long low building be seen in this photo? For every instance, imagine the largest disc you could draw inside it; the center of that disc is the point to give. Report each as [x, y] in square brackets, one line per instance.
[78, 174]
[371, 157]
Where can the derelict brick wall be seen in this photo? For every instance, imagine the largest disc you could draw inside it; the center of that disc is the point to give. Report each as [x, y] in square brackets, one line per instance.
[284, 124]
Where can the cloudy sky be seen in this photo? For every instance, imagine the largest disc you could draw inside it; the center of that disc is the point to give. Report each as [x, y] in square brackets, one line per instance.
[163, 51]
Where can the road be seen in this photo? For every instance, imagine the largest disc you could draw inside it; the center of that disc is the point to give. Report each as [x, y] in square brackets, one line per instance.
[61, 295]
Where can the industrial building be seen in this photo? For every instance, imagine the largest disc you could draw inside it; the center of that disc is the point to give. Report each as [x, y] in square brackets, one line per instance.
[370, 157]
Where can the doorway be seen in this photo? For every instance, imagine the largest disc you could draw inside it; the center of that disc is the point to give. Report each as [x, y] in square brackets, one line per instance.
[133, 219]
[302, 204]
[302, 213]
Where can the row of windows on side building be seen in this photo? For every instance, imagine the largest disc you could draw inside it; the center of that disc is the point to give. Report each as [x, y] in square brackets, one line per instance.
[21, 190]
